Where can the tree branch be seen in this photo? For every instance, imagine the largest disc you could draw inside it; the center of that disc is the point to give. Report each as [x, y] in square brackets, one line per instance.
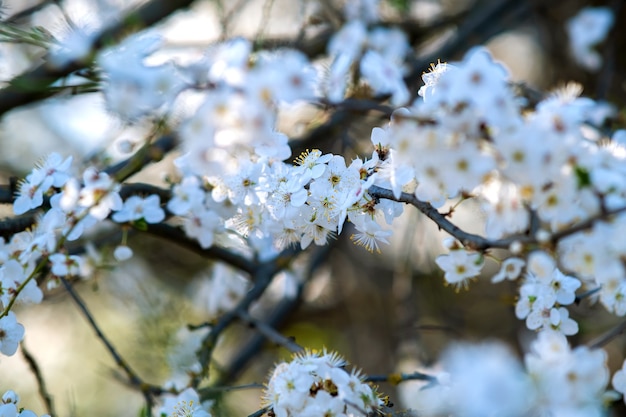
[133, 378]
[41, 383]
[270, 333]
[481, 243]
[262, 276]
[33, 85]
[178, 236]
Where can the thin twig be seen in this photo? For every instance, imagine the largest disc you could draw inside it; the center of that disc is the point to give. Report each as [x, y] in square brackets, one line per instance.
[265, 16]
[602, 340]
[41, 383]
[401, 377]
[270, 333]
[467, 239]
[152, 152]
[262, 275]
[260, 412]
[203, 392]
[133, 378]
[178, 236]
[586, 294]
[27, 12]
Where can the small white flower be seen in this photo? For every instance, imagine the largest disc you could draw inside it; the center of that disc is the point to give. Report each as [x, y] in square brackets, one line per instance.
[11, 334]
[511, 269]
[460, 266]
[136, 208]
[185, 404]
[10, 397]
[186, 195]
[63, 264]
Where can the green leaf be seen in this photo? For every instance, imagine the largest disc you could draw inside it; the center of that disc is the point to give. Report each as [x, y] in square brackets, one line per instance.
[582, 176]
[401, 5]
[140, 224]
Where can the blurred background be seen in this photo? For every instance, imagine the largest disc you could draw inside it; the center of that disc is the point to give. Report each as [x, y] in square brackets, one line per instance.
[385, 313]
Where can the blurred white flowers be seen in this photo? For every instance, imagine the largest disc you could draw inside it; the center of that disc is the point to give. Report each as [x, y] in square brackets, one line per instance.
[586, 30]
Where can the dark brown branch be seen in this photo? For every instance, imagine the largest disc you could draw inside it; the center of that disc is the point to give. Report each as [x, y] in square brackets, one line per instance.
[481, 243]
[139, 188]
[151, 153]
[360, 106]
[262, 276]
[467, 239]
[276, 319]
[27, 12]
[13, 225]
[178, 236]
[477, 28]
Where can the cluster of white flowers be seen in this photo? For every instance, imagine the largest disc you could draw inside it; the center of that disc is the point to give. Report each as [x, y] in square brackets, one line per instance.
[316, 384]
[378, 52]
[467, 135]
[543, 293]
[480, 143]
[487, 379]
[75, 207]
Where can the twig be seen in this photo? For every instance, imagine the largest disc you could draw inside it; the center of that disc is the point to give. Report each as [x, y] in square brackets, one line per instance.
[602, 340]
[480, 243]
[178, 236]
[226, 17]
[260, 412]
[133, 378]
[586, 294]
[270, 333]
[41, 383]
[267, 9]
[153, 152]
[12, 225]
[27, 12]
[276, 319]
[395, 379]
[467, 239]
[359, 105]
[480, 25]
[262, 275]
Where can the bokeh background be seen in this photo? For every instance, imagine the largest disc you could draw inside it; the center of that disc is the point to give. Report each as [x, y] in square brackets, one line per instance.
[384, 312]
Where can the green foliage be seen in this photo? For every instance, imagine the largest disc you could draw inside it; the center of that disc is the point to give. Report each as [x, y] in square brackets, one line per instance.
[141, 225]
[402, 6]
[582, 176]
